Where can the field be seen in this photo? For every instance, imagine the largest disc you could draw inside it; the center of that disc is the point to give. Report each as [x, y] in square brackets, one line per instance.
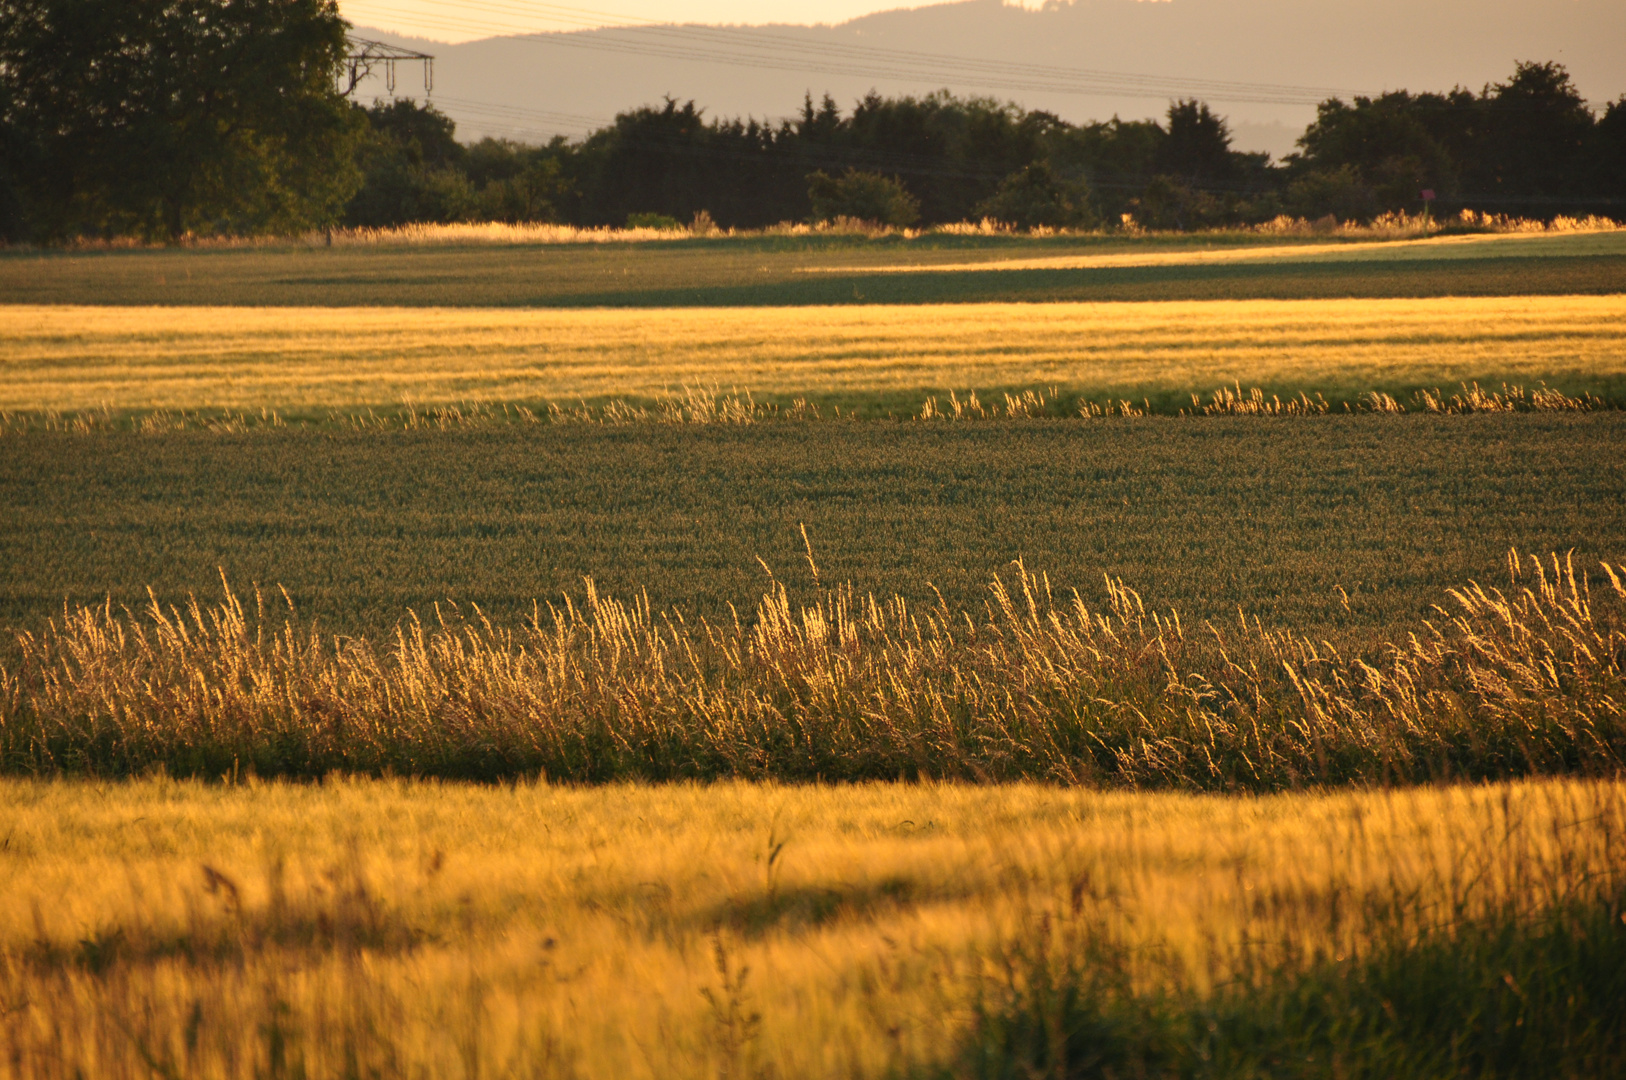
[1272, 515]
[836, 270]
[398, 929]
[793, 750]
[78, 358]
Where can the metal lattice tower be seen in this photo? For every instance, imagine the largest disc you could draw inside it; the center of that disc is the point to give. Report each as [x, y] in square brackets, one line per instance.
[364, 55]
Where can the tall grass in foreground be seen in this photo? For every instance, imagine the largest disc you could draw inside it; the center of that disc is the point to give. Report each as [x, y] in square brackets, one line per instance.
[392, 929]
[1526, 681]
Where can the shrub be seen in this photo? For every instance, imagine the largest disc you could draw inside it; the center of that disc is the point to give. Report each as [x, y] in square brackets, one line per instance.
[1339, 193]
[1035, 197]
[862, 196]
[1169, 204]
[663, 222]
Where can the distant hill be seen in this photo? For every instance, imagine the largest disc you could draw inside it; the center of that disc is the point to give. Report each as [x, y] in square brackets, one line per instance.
[535, 86]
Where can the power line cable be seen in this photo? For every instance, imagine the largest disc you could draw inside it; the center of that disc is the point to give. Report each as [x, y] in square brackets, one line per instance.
[783, 52]
[755, 37]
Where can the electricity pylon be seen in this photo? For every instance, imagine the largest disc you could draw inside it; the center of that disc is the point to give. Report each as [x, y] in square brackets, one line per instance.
[364, 56]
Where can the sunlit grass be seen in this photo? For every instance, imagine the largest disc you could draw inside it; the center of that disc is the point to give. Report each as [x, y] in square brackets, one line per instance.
[1495, 683]
[408, 929]
[1388, 227]
[84, 357]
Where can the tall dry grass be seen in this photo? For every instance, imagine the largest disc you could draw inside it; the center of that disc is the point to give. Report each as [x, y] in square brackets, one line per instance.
[1399, 225]
[695, 406]
[1484, 964]
[1389, 226]
[422, 234]
[1498, 682]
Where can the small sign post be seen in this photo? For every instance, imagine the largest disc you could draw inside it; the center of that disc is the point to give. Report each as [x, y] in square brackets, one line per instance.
[1428, 197]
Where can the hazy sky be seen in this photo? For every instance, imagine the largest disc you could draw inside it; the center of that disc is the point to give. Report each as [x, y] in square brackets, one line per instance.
[464, 20]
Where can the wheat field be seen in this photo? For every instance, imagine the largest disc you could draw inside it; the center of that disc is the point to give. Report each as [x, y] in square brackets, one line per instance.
[75, 358]
[411, 929]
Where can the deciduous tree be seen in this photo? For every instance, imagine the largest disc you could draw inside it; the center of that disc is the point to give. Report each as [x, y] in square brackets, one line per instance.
[161, 118]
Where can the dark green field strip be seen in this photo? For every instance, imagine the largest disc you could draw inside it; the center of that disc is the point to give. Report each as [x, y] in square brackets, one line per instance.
[1203, 514]
[494, 275]
[755, 273]
[1412, 279]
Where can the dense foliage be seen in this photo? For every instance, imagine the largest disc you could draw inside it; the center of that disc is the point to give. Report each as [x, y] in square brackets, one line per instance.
[1530, 146]
[158, 118]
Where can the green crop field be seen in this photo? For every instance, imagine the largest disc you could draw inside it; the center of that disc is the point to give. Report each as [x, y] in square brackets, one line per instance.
[1205, 515]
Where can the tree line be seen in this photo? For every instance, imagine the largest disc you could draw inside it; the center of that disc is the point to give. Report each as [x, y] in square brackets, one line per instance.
[163, 118]
[1527, 147]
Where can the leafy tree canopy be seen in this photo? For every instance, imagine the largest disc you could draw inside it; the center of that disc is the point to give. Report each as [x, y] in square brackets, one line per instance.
[1528, 146]
[1197, 149]
[160, 118]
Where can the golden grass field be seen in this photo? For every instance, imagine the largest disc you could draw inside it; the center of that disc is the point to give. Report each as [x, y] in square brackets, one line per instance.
[68, 358]
[417, 929]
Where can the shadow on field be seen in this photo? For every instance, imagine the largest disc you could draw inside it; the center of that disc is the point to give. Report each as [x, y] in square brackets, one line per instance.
[1513, 994]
